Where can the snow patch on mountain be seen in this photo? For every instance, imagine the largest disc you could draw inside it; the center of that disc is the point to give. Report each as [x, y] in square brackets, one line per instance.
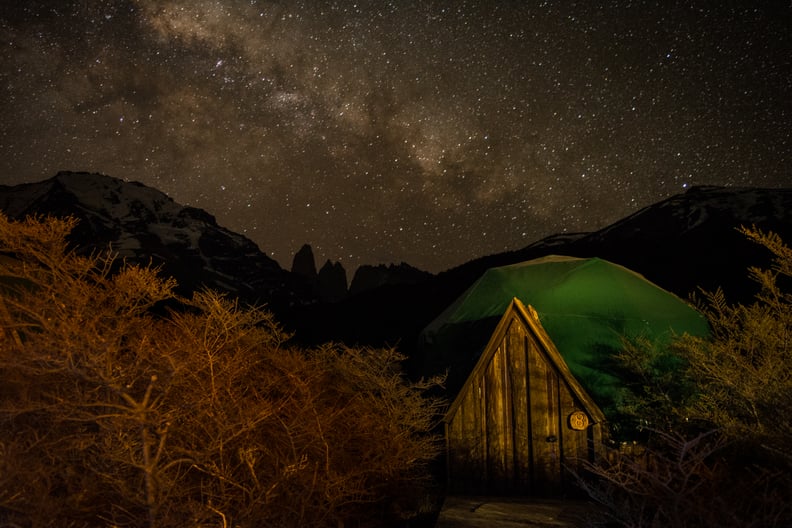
[143, 225]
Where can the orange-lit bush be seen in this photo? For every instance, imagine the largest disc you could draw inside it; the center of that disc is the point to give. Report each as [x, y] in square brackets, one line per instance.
[116, 411]
[719, 451]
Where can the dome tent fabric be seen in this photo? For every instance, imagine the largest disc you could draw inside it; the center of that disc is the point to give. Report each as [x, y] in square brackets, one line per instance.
[586, 305]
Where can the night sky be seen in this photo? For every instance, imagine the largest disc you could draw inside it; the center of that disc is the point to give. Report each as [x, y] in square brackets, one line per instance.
[386, 131]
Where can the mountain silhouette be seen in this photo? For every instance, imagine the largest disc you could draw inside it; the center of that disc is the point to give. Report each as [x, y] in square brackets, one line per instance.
[682, 243]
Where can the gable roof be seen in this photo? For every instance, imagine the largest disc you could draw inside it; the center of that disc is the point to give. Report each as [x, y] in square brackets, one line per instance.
[587, 306]
[529, 319]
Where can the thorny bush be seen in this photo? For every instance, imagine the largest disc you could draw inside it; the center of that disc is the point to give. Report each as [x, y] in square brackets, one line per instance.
[123, 405]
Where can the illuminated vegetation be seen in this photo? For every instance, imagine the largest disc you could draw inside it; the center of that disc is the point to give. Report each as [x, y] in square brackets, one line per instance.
[123, 405]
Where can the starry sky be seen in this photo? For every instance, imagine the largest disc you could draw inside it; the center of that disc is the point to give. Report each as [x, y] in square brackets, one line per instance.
[429, 132]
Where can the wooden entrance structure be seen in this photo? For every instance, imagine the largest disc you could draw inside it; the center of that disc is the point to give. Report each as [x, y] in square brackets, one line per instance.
[521, 420]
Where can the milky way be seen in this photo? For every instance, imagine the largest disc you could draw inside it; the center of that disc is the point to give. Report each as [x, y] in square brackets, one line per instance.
[427, 132]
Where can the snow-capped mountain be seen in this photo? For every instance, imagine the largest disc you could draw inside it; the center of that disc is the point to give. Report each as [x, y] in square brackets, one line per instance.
[143, 225]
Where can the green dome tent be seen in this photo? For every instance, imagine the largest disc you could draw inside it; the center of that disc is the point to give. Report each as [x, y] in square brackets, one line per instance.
[586, 305]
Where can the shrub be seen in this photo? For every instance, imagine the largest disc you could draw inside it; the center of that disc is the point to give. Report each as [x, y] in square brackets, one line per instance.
[123, 405]
[744, 373]
[717, 411]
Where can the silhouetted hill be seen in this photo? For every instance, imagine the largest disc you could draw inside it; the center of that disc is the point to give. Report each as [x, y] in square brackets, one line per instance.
[684, 242]
[691, 240]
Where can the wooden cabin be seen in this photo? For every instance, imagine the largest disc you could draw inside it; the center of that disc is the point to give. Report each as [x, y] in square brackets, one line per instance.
[528, 350]
[521, 418]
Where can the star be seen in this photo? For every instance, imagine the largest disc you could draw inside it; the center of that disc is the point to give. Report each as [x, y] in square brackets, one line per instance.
[399, 131]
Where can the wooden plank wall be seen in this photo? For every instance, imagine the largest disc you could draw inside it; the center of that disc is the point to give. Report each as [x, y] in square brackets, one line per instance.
[517, 352]
[510, 433]
[467, 442]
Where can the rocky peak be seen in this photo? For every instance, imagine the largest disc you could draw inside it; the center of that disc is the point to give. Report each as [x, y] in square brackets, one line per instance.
[304, 263]
[370, 277]
[332, 282]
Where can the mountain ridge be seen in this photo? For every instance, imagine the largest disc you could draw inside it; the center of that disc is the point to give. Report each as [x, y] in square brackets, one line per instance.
[145, 226]
[684, 242]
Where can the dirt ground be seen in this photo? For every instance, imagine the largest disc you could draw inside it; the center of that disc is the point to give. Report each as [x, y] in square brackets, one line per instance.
[499, 512]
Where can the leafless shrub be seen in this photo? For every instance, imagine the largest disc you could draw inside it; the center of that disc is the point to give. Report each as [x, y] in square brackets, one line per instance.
[688, 482]
[205, 416]
[736, 386]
